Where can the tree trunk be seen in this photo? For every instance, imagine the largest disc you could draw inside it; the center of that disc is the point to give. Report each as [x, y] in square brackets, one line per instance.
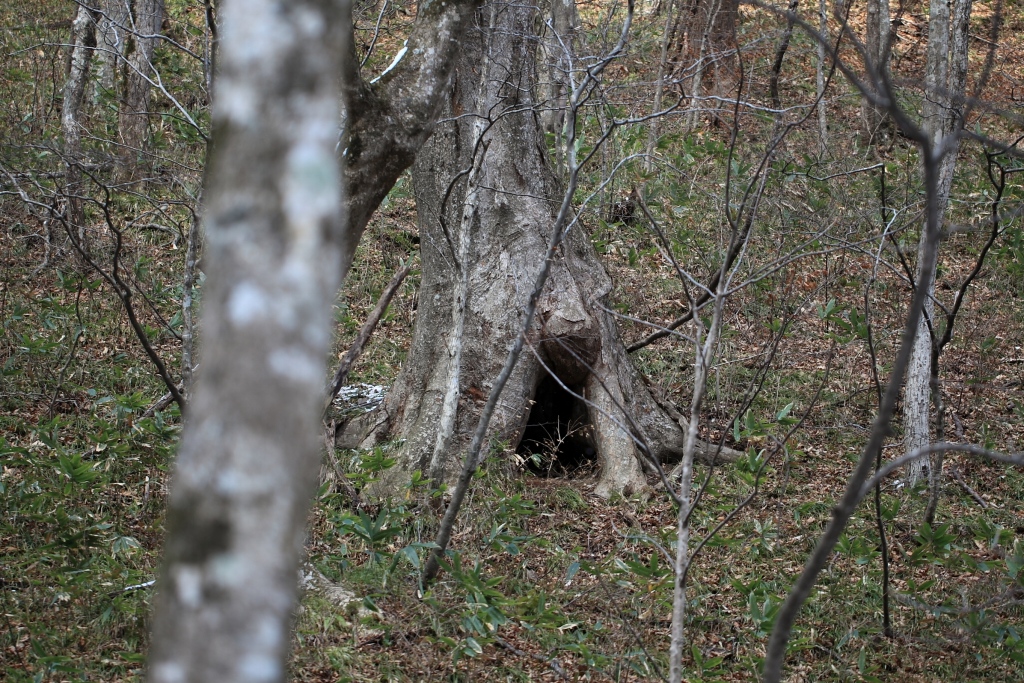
[387, 121]
[819, 77]
[659, 86]
[144, 25]
[877, 45]
[250, 452]
[111, 44]
[557, 57]
[705, 32]
[479, 250]
[83, 42]
[945, 82]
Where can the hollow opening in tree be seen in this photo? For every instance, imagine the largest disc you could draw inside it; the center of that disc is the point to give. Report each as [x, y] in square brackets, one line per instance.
[558, 438]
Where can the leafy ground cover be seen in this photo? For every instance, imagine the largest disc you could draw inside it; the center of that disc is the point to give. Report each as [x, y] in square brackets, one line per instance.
[547, 581]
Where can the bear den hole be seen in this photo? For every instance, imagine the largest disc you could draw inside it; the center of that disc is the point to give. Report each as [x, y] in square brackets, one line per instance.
[558, 438]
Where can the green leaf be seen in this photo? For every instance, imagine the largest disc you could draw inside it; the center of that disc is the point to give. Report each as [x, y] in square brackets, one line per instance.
[123, 544]
[474, 648]
[571, 572]
[409, 553]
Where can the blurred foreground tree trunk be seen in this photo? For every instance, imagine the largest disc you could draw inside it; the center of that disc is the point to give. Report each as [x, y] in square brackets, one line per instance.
[249, 456]
[278, 241]
[486, 200]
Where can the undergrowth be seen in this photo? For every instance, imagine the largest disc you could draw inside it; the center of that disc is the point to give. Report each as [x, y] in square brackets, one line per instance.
[544, 580]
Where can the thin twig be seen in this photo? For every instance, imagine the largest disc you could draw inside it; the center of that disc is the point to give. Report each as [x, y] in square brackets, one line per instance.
[551, 662]
[365, 332]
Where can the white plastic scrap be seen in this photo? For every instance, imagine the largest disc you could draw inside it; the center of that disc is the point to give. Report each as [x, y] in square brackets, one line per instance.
[364, 397]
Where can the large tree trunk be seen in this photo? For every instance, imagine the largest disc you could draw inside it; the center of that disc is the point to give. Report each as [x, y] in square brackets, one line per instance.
[480, 251]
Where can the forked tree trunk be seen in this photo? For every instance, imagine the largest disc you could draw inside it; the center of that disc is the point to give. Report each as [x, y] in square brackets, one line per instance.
[495, 224]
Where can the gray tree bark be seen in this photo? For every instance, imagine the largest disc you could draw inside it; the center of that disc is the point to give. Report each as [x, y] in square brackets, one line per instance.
[111, 43]
[557, 59]
[142, 32]
[480, 250]
[83, 42]
[945, 81]
[878, 48]
[388, 120]
[249, 456]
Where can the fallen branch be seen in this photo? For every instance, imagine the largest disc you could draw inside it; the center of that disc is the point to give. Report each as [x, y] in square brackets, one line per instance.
[553, 663]
[161, 403]
[128, 589]
[963, 484]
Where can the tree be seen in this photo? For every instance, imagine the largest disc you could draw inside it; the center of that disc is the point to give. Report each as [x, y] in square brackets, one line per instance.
[486, 201]
[556, 60]
[83, 462]
[877, 48]
[249, 454]
[277, 246]
[945, 81]
[705, 40]
[111, 44]
[83, 43]
[387, 121]
[141, 35]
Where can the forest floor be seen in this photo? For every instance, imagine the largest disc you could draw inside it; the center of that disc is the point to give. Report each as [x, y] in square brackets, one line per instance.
[548, 581]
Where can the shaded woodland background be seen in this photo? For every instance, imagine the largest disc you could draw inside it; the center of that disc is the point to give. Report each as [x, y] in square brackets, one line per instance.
[551, 581]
